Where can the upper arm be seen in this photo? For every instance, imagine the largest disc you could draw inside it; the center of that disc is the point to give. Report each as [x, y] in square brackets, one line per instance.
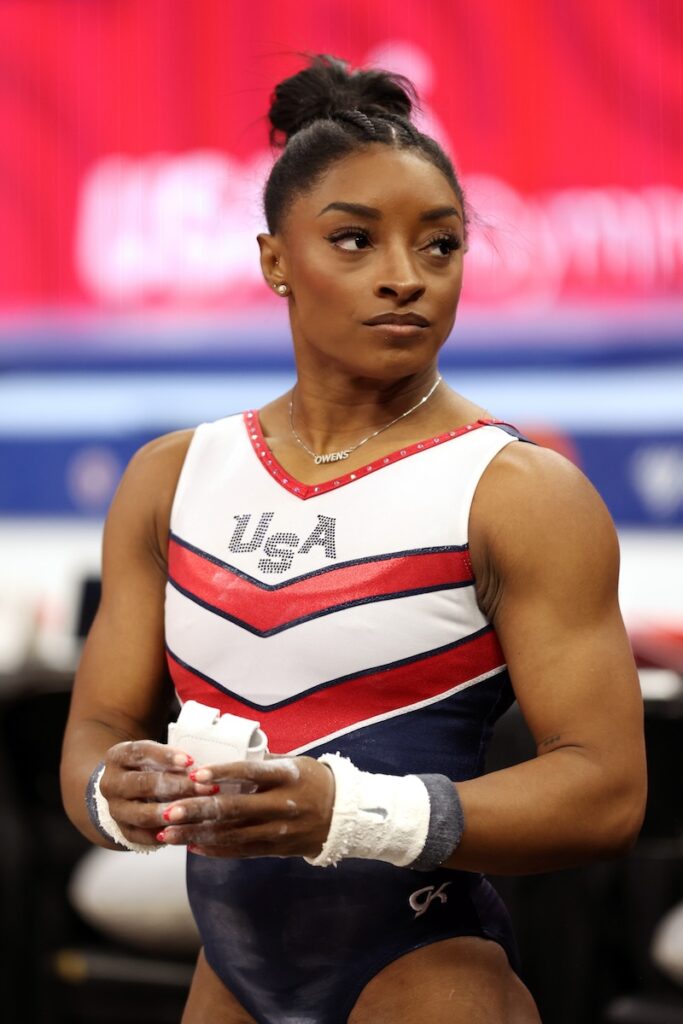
[546, 557]
[122, 680]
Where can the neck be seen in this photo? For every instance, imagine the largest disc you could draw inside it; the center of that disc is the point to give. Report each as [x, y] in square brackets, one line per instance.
[332, 419]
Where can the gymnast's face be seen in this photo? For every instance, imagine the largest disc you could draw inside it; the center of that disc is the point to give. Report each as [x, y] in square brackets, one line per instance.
[380, 233]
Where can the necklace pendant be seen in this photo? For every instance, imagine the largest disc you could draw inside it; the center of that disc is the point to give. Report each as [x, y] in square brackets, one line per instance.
[332, 457]
[345, 452]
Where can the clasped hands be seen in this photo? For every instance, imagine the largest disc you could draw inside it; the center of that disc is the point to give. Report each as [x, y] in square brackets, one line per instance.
[157, 795]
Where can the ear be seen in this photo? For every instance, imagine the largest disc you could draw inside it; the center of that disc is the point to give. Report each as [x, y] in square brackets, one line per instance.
[272, 261]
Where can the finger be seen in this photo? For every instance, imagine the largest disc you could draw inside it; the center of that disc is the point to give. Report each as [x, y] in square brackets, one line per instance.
[230, 808]
[214, 808]
[262, 840]
[182, 827]
[146, 755]
[137, 814]
[276, 771]
[161, 786]
[146, 837]
[210, 808]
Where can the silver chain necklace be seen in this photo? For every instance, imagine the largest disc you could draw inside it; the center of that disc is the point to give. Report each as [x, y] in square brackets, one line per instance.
[344, 453]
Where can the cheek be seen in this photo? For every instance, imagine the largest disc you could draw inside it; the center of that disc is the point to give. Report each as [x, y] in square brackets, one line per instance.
[447, 291]
[311, 274]
[323, 290]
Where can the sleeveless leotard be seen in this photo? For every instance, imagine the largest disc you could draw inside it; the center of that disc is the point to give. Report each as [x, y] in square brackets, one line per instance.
[343, 617]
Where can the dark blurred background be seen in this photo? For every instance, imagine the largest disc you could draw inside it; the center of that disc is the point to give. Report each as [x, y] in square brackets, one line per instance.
[133, 147]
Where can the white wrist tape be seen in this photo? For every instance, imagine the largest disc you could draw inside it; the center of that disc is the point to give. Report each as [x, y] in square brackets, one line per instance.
[106, 824]
[375, 817]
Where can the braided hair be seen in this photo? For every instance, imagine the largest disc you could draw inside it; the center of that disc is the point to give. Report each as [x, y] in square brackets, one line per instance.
[326, 112]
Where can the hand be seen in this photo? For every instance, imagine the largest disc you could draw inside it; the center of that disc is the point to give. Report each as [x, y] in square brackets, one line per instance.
[139, 779]
[289, 815]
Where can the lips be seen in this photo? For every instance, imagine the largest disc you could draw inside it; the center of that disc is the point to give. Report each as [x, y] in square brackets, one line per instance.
[399, 319]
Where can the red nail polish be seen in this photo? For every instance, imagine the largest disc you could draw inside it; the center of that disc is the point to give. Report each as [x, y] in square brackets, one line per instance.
[193, 776]
[161, 837]
[189, 761]
[166, 814]
[215, 789]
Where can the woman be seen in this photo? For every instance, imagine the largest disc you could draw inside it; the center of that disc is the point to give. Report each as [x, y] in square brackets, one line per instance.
[370, 565]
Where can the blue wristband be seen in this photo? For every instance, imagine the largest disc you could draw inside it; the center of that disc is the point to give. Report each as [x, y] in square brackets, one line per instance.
[91, 803]
[446, 823]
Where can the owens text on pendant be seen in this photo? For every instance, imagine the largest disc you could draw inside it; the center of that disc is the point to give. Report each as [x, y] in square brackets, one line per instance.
[332, 457]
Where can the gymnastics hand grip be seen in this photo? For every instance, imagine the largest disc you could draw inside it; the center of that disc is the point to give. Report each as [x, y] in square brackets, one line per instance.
[212, 738]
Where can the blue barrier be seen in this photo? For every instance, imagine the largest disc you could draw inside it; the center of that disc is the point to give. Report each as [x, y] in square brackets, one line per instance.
[639, 474]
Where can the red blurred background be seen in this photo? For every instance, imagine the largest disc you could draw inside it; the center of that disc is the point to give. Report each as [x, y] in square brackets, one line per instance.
[133, 144]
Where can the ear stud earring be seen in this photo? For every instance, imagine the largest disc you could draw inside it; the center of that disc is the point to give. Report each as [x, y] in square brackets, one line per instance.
[281, 289]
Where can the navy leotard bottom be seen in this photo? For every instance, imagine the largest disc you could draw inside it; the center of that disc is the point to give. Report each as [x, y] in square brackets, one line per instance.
[297, 944]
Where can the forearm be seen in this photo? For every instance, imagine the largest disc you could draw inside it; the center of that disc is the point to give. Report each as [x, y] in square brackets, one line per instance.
[556, 811]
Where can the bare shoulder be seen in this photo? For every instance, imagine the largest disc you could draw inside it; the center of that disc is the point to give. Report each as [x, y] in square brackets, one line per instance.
[142, 504]
[536, 492]
[160, 461]
[535, 515]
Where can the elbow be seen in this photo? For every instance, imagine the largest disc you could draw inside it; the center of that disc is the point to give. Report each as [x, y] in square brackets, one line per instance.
[623, 820]
[621, 839]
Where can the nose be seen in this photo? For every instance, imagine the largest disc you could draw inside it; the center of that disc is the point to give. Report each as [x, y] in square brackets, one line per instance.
[399, 278]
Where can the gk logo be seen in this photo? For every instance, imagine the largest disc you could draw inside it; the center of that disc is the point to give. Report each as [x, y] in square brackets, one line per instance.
[420, 900]
[280, 548]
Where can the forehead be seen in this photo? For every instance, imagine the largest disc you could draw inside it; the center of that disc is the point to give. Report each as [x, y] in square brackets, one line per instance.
[395, 181]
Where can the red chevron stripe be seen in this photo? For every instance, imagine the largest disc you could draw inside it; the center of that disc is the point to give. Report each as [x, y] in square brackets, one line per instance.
[308, 719]
[224, 590]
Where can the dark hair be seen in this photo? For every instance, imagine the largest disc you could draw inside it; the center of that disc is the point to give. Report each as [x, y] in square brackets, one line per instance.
[326, 112]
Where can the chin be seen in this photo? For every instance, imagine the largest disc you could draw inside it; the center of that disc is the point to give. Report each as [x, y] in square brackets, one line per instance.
[404, 362]
[393, 369]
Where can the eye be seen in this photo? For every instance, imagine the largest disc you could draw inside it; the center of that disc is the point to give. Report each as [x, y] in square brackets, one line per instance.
[350, 239]
[446, 244]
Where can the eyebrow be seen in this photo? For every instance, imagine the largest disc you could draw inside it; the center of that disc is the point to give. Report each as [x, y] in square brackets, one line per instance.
[371, 213]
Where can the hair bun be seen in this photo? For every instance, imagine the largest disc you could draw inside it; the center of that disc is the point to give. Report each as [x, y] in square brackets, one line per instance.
[326, 87]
